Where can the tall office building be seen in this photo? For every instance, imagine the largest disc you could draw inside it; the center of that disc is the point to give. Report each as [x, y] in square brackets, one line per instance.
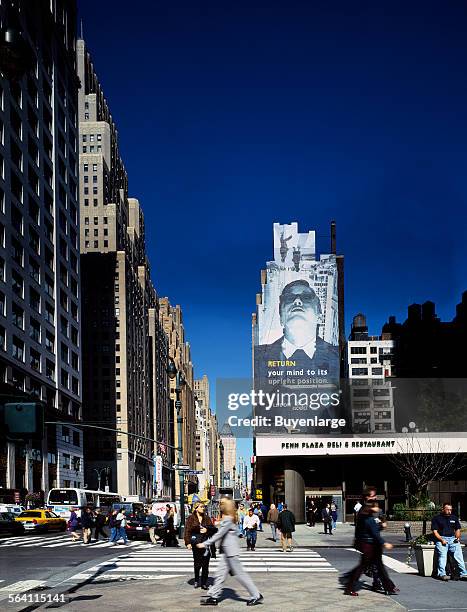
[229, 443]
[39, 251]
[214, 446]
[123, 343]
[180, 351]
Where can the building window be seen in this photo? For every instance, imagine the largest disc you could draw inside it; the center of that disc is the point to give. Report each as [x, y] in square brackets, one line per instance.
[64, 378]
[76, 441]
[34, 270]
[17, 284]
[50, 341]
[359, 371]
[34, 300]
[49, 313]
[358, 350]
[17, 315]
[17, 252]
[373, 349]
[35, 330]
[35, 360]
[64, 352]
[66, 460]
[49, 369]
[18, 349]
[65, 434]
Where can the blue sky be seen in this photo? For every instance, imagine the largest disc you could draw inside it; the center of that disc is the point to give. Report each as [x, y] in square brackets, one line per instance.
[232, 116]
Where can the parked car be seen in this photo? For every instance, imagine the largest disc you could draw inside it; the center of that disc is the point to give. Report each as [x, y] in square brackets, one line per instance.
[131, 508]
[137, 527]
[41, 521]
[8, 525]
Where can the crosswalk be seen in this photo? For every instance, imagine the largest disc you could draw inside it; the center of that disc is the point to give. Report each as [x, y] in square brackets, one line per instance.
[60, 541]
[159, 563]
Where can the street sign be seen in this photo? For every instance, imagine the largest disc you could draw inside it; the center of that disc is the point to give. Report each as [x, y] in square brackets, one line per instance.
[195, 471]
[181, 467]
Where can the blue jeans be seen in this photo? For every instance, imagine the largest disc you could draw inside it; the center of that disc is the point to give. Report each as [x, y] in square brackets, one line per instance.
[443, 555]
[274, 531]
[122, 534]
[251, 538]
[113, 534]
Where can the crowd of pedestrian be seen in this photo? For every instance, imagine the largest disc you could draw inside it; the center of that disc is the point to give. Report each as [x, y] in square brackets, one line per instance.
[84, 522]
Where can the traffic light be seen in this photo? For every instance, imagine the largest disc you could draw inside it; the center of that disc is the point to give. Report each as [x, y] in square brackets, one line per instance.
[22, 420]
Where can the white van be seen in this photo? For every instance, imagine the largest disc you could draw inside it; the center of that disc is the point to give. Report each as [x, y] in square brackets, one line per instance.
[12, 509]
[159, 509]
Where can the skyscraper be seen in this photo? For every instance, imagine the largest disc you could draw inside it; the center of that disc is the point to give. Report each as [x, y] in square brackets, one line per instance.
[39, 250]
[123, 342]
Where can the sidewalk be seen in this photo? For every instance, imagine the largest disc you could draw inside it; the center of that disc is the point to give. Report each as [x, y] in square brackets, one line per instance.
[342, 537]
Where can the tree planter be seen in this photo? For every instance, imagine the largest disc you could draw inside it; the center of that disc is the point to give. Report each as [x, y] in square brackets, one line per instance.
[424, 554]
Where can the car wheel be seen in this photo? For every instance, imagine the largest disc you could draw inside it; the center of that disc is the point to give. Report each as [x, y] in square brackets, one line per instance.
[45, 529]
[63, 528]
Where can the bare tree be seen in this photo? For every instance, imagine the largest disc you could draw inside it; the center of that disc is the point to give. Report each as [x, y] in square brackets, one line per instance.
[420, 464]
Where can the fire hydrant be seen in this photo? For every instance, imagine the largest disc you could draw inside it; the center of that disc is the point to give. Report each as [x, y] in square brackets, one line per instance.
[408, 534]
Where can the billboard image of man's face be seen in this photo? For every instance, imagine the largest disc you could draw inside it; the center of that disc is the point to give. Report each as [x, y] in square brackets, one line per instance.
[299, 310]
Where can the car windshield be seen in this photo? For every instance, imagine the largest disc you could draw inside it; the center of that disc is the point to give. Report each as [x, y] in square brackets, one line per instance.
[31, 513]
[7, 516]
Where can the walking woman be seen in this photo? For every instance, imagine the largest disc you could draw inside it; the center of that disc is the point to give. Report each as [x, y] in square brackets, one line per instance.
[370, 543]
[73, 525]
[198, 529]
[229, 561]
[170, 538]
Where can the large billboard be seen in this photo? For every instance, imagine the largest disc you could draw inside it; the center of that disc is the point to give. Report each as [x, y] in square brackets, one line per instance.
[296, 352]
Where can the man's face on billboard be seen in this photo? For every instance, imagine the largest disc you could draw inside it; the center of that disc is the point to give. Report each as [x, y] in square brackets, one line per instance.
[298, 305]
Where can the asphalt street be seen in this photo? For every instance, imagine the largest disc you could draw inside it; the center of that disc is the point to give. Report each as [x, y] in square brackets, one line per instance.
[87, 576]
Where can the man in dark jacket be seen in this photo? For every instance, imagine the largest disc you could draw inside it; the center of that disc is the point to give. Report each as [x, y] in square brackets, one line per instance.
[87, 521]
[327, 519]
[286, 525]
[99, 522]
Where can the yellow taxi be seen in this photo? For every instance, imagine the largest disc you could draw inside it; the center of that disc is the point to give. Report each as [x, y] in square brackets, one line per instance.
[41, 521]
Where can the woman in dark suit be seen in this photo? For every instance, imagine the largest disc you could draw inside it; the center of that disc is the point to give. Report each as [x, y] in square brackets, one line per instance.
[198, 529]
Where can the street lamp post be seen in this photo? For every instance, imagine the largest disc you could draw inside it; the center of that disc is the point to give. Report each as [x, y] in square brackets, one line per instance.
[99, 472]
[179, 381]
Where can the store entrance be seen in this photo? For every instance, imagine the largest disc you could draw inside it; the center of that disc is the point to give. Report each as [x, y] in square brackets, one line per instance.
[320, 499]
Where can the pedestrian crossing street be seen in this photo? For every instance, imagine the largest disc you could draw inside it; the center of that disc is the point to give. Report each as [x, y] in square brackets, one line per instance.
[160, 563]
[59, 541]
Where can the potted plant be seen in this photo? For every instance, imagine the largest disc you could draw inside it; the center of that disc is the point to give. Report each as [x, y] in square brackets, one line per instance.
[424, 549]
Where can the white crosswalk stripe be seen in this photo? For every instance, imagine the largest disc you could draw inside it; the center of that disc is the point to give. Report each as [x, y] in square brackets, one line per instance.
[149, 563]
[60, 541]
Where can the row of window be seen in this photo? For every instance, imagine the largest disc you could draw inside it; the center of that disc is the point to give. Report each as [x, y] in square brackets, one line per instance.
[364, 371]
[71, 463]
[70, 436]
[362, 350]
[87, 244]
